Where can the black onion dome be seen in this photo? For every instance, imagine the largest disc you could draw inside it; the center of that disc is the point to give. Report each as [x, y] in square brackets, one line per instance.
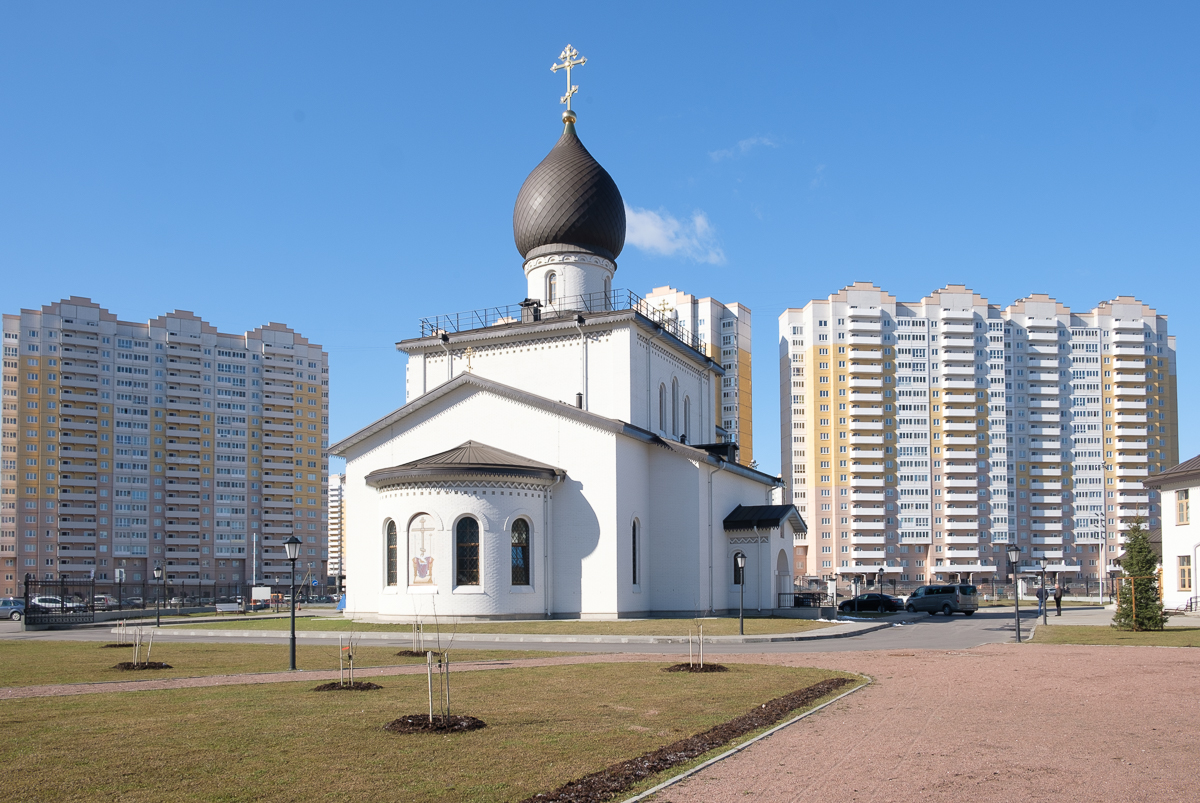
[569, 203]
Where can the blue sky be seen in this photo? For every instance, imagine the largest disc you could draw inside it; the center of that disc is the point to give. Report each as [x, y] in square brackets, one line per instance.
[348, 168]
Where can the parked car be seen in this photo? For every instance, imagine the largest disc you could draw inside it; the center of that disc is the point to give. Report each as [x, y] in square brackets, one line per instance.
[12, 608]
[884, 603]
[947, 599]
[105, 602]
[56, 603]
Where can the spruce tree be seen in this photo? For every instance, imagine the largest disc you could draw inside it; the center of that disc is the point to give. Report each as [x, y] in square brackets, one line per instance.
[1139, 562]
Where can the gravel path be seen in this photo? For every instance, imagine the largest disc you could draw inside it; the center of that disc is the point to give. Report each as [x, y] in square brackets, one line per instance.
[1002, 722]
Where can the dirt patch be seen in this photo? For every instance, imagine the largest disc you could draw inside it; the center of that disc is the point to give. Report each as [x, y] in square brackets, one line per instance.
[130, 666]
[358, 685]
[696, 668]
[410, 654]
[420, 723]
[115, 646]
[612, 781]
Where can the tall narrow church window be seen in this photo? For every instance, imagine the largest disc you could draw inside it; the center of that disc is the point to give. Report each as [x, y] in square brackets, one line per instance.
[520, 553]
[466, 548]
[634, 544]
[551, 287]
[675, 407]
[687, 418]
[662, 408]
[391, 554]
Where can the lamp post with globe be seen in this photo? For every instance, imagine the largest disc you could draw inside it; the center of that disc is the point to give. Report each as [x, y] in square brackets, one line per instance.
[292, 547]
[1014, 554]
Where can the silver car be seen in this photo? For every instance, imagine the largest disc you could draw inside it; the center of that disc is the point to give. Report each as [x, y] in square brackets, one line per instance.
[12, 608]
[947, 599]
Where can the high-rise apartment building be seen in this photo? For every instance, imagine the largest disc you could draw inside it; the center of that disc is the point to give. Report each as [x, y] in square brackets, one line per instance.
[920, 438]
[337, 531]
[135, 445]
[724, 333]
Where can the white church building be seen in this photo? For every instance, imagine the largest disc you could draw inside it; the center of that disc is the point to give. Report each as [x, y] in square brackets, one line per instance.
[560, 457]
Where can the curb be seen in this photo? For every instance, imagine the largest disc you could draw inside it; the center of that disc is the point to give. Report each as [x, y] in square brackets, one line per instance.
[519, 638]
[743, 745]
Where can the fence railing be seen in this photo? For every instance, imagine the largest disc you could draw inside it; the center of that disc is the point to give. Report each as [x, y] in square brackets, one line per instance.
[529, 311]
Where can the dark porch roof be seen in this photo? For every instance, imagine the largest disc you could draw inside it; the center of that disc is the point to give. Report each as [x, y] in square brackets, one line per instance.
[764, 517]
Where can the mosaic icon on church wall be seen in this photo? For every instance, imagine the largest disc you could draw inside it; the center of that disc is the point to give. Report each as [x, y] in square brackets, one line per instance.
[419, 547]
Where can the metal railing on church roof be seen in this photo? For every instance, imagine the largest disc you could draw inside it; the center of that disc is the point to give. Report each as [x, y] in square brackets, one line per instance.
[531, 310]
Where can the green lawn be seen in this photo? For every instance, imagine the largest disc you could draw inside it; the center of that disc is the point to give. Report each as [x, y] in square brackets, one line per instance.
[33, 663]
[283, 742]
[572, 627]
[1103, 634]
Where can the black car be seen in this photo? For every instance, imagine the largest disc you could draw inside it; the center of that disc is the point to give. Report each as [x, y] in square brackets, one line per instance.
[884, 603]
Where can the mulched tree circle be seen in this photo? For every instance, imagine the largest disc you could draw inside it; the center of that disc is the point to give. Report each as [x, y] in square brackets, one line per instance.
[115, 646]
[420, 723]
[410, 654]
[358, 685]
[696, 668]
[130, 666]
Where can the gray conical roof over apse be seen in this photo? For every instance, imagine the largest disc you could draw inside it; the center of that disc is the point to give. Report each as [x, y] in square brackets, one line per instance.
[569, 203]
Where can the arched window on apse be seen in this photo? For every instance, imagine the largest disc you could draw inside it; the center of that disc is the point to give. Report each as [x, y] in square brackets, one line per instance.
[392, 557]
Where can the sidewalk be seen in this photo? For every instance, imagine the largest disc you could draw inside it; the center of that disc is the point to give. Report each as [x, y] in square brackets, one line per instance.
[842, 630]
[1097, 616]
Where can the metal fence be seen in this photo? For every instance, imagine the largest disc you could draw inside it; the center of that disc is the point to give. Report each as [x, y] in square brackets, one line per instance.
[530, 310]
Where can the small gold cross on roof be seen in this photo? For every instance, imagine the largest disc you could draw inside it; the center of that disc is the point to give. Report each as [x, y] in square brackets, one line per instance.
[470, 352]
[569, 60]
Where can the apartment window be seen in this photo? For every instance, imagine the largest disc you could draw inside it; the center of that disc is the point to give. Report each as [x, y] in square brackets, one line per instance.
[1181, 507]
[1185, 572]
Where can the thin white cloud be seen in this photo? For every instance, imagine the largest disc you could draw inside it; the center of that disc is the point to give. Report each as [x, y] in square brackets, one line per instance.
[818, 177]
[742, 148]
[663, 233]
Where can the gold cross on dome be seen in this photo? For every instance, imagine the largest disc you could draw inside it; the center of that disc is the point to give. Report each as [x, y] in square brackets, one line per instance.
[569, 60]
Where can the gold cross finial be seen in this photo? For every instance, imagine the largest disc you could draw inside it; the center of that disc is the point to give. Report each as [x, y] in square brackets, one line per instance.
[469, 352]
[569, 60]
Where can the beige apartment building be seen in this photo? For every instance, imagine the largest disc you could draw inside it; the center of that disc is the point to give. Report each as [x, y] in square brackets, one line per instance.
[724, 333]
[166, 443]
[920, 438]
[337, 531]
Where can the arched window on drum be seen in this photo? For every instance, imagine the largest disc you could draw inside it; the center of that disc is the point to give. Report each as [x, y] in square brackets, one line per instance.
[392, 557]
[520, 553]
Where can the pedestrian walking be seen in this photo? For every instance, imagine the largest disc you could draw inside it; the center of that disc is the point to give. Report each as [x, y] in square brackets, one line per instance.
[1058, 600]
[1041, 598]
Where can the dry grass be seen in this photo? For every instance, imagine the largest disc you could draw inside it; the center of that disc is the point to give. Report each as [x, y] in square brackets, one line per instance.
[282, 742]
[724, 626]
[1103, 634]
[33, 663]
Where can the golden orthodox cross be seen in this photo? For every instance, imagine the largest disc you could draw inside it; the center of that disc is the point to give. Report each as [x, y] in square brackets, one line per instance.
[422, 529]
[664, 307]
[569, 60]
[470, 351]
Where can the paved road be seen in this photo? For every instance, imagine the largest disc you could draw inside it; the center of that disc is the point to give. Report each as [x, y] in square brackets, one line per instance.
[934, 632]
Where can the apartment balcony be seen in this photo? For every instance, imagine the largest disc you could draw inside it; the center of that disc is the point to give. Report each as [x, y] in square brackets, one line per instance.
[865, 382]
[1044, 471]
[957, 356]
[1042, 349]
[963, 568]
[969, 525]
[955, 383]
[961, 538]
[1129, 377]
[76, 497]
[182, 460]
[865, 482]
[1043, 390]
[1036, 361]
[189, 471]
[175, 391]
[968, 468]
[1050, 511]
[274, 530]
[1130, 471]
[79, 524]
[869, 568]
[76, 482]
[1048, 526]
[950, 439]
[1129, 349]
[958, 412]
[1130, 417]
[866, 495]
[177, 526]
[865, 326]
[862, 339]
[858, 368]
[958, 370]
[1052, 554]
[85, 440]
[858, 440]
[78, 381]
[1047, 540]
[1039, 416]
[1038, 459]
[186, 447]
[868, 554]
[962, 554]
[1043, 376]
[182, 404]
[1130, 404]
[958, 315]
[858, 425]
[1137, 337]
[75, 367]
[958, 328]
[76, 422]
[1043, 431]
[1128, 444]
[269, 452]
[1042, 336]
[958, 426]
[1129, 459]
[957, 482]
[857, 525]
[278, 427]
[859, 539]
[969, 490]
[277, 517]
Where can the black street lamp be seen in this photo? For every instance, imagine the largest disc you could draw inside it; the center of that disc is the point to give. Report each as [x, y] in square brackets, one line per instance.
[1014, 554]
[292, 547]
[740, 560]
[158, 575]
